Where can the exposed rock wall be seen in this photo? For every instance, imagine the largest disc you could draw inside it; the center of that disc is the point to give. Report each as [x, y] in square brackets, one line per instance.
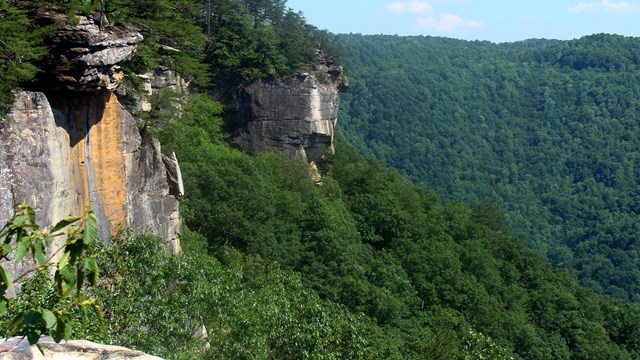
[296, 115]
[158, 81]
[85, 56]
[64, 153]
[78, 147]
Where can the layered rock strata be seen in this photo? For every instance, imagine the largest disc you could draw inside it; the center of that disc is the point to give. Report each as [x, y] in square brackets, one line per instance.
[86, 56]
[296, 115]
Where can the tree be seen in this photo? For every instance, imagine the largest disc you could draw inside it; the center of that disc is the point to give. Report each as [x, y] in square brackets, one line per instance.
[21, 43]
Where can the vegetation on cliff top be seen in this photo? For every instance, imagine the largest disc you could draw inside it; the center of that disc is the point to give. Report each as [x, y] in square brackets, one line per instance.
[220, 40]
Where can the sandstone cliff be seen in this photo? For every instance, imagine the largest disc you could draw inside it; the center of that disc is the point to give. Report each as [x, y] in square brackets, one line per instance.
[74, 145]
[86, 57]
[296, 115]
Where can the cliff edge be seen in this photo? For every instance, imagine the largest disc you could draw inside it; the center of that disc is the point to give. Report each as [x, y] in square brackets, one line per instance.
[74, 145]
[296, 115]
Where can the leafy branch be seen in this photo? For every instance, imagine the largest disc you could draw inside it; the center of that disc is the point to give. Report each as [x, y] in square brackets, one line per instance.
[77, 267]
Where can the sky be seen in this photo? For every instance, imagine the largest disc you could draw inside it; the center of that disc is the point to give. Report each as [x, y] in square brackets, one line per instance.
[493, 20]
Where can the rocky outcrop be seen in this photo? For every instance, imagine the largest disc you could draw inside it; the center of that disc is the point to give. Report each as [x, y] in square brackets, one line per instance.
[296, 115]
[77, 147]
[85, 56]
[18, 348]
[62, 154]
[174, 174]
[158, 81]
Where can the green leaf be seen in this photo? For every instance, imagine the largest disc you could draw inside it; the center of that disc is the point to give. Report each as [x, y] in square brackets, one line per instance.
[31, 213]
[58, 333]
[63, 223]
[3, 307]
[49, 318]
[18, 221]
[5, 277]
[6, 249]
[23, 236]
[5, 235]
[71, 240]
[22, 247]
[67, 330]
[16, 324]
[33, 319]
[90, 235]
[68, 274]
[66, 281]
[33, 338]
[64, 260]
[41, 259]
[91, 267]
[80, 280]
[76, 253]
[66, 288]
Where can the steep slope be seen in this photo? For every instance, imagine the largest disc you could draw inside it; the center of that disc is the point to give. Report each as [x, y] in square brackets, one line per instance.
[545, 129]
[434, 280]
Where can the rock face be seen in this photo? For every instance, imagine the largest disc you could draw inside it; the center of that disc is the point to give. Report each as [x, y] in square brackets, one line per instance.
[85, 57]
[156, 82]
[77, 146]
[64, 153]
[18, 348]
[296, 115]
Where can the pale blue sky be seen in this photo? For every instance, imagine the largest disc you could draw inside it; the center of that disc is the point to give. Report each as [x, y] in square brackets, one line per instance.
[493, 20]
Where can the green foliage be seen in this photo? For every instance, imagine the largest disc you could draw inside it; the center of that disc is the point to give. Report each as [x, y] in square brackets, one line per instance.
[171, 36]
[478, 346]
[545, 129]
[46, 305]
[230, 41]
[422, 273]
[251, 308]
[199, 123]
[251, 39]
[366, 265]
[21, 43]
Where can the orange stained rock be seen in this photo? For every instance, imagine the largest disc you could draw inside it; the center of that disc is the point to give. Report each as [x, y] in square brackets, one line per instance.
[106, 156]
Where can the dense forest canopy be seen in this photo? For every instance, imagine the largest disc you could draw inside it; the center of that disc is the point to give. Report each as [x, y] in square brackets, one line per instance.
[364, 265]
[423, 278]
[546, 129]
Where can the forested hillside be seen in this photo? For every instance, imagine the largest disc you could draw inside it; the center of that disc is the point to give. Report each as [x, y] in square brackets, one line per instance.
[361, 264]
[419, 278]
[546, 130]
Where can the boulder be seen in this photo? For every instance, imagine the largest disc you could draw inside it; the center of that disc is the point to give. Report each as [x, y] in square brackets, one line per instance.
[18, 348]
[85, 56]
